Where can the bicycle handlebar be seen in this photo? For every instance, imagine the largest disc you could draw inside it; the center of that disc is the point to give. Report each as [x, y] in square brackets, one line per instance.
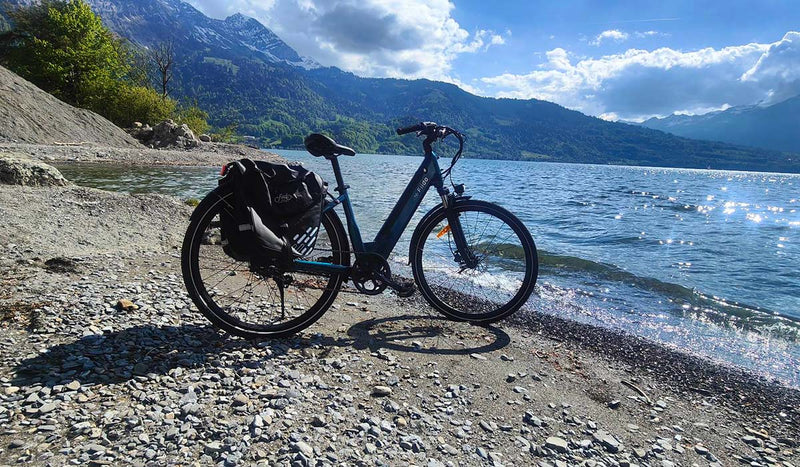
[424, 128]
[433, 132]
[410, 129]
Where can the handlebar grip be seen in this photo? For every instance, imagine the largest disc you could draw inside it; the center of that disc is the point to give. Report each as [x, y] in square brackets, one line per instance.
[410, 129]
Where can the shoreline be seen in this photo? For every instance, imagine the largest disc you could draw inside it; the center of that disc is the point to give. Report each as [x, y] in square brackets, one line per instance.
[209, 154]
[217, 154]
[452, 384]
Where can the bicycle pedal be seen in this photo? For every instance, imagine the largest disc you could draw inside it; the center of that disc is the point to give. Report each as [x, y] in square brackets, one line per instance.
[403, 288]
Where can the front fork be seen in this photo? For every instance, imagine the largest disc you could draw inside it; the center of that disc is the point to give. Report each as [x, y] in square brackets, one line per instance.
[463, 255]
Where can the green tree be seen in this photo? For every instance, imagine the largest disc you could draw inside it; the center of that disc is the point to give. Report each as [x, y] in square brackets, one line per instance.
[63, 48]
[194, 117]
[128, 104]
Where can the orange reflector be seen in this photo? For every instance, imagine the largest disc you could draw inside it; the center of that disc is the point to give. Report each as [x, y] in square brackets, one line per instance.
[443, 232]
[222, 172]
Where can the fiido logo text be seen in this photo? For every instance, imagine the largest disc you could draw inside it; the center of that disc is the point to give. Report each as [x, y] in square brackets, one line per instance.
[282, 198]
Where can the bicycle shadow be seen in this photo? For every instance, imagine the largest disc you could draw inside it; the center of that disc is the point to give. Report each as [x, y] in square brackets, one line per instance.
[149, 351]
[426, 335]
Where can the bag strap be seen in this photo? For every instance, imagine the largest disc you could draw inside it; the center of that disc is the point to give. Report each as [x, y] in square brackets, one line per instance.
[242, 215]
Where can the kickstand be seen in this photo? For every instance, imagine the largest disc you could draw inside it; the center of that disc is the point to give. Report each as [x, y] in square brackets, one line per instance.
[279, 283]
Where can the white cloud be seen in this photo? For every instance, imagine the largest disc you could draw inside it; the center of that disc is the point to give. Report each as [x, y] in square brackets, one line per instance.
[637, 83]
[609, 116]
[381, 38]
[778, 68]
[702, 110]
[612, 34]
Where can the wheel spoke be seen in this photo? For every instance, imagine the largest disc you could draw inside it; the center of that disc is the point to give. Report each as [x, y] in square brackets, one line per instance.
[500, 282]
[248, 301]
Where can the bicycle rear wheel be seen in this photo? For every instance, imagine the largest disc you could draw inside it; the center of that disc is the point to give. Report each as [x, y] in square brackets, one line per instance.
[506, 270]
[246, 301]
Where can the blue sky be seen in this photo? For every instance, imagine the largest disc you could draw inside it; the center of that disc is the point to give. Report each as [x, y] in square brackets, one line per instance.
[615, 60]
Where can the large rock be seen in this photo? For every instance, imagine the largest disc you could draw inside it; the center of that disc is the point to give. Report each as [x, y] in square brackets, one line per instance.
[18, 169]
[166, 134]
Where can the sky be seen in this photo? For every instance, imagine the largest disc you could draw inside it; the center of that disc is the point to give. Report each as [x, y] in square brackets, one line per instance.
[620, 60]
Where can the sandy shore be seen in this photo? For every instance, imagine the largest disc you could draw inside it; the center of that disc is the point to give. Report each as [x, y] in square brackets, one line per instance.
[377, 381]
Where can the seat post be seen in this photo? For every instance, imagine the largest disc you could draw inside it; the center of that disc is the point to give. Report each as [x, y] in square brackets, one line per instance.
[341, 188]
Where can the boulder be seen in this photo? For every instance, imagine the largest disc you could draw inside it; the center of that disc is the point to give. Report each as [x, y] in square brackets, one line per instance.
[142, 133]
[166, 134]
[18, 169]
[205, 138]
[169, 134]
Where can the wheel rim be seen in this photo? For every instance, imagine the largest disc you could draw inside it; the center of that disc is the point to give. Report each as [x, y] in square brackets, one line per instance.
[496, 285]
[250, 300]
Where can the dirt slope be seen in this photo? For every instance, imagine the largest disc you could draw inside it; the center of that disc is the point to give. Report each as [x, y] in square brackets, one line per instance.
[30, 115]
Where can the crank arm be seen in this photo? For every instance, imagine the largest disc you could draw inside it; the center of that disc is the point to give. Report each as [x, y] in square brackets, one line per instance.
[402, 290]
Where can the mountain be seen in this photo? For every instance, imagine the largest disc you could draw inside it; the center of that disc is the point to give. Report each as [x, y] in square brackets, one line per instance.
[150, 22]
[243, 74]
[774, 127]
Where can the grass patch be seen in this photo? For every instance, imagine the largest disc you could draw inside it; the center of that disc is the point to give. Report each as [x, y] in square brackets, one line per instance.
[227, 64]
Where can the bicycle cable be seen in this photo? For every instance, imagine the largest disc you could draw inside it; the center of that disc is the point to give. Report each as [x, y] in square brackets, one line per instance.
[447, 173]
[432, 133]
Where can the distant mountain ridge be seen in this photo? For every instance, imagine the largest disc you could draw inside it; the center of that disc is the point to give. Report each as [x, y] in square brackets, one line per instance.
[242, 73]
[774, 127]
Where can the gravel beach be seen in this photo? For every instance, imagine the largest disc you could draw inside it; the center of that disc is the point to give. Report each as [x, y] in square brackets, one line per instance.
[106, 362]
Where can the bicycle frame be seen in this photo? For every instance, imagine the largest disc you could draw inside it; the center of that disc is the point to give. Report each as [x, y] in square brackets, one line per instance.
[428, 174]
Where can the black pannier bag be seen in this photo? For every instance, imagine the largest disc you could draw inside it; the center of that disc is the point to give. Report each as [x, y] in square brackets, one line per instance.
[275, 213]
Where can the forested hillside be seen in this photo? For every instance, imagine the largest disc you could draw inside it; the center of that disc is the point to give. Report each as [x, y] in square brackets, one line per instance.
[363, 112]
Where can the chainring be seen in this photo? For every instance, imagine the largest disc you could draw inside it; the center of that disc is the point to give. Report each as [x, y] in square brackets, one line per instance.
[366, 271]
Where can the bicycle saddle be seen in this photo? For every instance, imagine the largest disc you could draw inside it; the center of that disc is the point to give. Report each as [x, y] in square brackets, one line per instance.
[322, 146]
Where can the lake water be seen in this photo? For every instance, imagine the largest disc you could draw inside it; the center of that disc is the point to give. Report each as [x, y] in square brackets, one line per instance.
[706, 261]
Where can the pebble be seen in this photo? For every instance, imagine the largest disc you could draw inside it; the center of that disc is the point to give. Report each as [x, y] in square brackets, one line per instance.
[73, 386]
[212, 447]
[532, 419]
[318, 421]
[391, 406]
[557, 444]
[169, 388]
[700, 449]
[608, 441]
[240, 400]
[47, 407]
[303, 448]
[752, 440]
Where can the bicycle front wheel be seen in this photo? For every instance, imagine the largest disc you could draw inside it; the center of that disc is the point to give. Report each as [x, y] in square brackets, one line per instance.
[245, 301]
[501, 281]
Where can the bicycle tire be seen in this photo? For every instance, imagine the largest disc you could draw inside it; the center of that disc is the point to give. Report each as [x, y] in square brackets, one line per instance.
[238, 318]
[437, 271]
